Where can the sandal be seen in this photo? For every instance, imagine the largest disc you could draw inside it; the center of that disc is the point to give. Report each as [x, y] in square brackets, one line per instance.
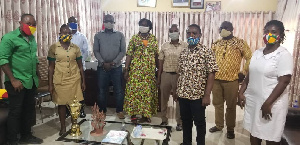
[134, 119]
[62, 132]
[145, 119]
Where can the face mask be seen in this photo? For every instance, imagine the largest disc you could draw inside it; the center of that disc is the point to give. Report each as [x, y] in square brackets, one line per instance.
[65, 38]
[271, 38]
[225, 33]
[174, 35]
[143, 29]
[108, 25]
[28, 30]
[73, 26]
[193, 41]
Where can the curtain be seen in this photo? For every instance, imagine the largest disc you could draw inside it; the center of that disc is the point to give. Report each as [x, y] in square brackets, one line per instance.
[50, 15]
[247, 25]
[288, 12]
[294, 85]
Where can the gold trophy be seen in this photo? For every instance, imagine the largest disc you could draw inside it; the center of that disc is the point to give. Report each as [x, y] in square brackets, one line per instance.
[75, 111]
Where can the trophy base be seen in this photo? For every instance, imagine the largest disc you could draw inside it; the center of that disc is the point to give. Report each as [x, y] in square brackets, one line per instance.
[75, 134]
[98, 133]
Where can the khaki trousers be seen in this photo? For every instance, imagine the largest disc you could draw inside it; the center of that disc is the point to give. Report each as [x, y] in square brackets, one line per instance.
[168, 84]
[225, 91]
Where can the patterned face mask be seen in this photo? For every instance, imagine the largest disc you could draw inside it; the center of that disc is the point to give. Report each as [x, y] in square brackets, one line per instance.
[65, 38]
[271, 38]
[193, 41]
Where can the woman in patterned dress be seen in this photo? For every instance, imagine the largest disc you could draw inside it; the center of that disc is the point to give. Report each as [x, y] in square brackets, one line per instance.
[141, 96]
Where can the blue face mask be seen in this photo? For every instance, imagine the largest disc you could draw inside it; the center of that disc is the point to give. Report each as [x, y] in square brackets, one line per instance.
[73, 26]
[193, 41]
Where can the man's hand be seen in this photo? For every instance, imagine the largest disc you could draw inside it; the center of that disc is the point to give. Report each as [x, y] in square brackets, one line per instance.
[158, 81]
[126, 75]
[112, 64]
[206, 100]
[17, 85]
[241, 77]
[175, 97]
[107, 66]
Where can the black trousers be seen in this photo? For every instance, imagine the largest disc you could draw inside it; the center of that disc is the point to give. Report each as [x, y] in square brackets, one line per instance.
[192, 110]
[21, 115]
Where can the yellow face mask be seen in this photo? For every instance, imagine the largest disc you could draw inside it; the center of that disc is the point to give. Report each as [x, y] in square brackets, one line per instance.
[225, 33]
[65, 38]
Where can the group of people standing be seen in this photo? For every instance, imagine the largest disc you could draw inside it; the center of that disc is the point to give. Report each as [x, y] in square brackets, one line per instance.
[188, 70]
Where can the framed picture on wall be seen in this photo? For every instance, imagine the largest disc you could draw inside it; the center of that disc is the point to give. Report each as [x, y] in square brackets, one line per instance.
[213, 6]
[197, 4]
[146, 3]
[181, 3]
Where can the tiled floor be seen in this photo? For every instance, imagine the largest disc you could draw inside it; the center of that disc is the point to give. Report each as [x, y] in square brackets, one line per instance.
[50, 128]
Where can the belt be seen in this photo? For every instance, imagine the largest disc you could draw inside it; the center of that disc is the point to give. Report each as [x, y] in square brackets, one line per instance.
[173, 73]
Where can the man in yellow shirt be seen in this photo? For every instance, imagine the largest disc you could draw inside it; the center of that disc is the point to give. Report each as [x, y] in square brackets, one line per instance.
[229, 53]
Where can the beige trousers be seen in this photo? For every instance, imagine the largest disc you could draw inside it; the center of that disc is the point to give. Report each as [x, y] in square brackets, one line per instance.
[225, 91]
[168, 84]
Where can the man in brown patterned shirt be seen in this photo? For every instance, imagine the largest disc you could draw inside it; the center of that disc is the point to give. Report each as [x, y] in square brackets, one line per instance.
[167, 76]
[229, 52]
[197, 67]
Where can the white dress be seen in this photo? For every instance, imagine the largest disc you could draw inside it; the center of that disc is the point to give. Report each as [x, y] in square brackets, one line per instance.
[264, 71]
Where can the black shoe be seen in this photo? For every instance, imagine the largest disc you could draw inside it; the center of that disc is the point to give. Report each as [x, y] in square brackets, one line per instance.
[82, 114]
[179, 127]
[164, 123]
[12, 143]
[214, 129]
[230, 135]
[30, 139]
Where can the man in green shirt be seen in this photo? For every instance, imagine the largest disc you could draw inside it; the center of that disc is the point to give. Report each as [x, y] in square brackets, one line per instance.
[18, 60]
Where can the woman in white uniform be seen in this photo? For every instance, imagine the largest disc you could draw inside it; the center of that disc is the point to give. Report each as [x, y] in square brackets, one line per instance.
[264, 91]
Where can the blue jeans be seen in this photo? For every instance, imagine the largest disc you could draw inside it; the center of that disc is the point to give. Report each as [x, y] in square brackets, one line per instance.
[104, 78]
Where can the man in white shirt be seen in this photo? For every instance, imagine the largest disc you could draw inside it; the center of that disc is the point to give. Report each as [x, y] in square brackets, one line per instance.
[81, 41]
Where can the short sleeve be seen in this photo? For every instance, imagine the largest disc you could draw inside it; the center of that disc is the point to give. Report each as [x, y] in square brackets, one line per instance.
[78, 53]
[131, 46]
[211, 64]
[51, 53]
[155, 45]
[285, 64]
[161, 55]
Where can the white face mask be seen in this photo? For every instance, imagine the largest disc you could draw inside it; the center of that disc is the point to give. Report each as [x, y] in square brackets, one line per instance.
[109, 25]
[143, 29]
[174, 35]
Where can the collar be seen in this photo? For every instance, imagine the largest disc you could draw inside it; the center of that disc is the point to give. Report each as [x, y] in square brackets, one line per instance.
[270, 55]
[59, 45]
[103, 31]
[77, 33]
[198, 46]
[179, 42]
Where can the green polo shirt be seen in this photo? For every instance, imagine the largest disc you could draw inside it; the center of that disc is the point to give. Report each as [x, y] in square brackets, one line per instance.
[21, 56]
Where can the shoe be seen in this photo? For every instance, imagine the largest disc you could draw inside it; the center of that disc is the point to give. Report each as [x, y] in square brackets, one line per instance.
[164, 123]
[214, 129]
[230, 135]
[82, 113]
[12, 143]
[179, 127]
[30, 139]
[121, 115]
[134, 119]
[145, 119]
